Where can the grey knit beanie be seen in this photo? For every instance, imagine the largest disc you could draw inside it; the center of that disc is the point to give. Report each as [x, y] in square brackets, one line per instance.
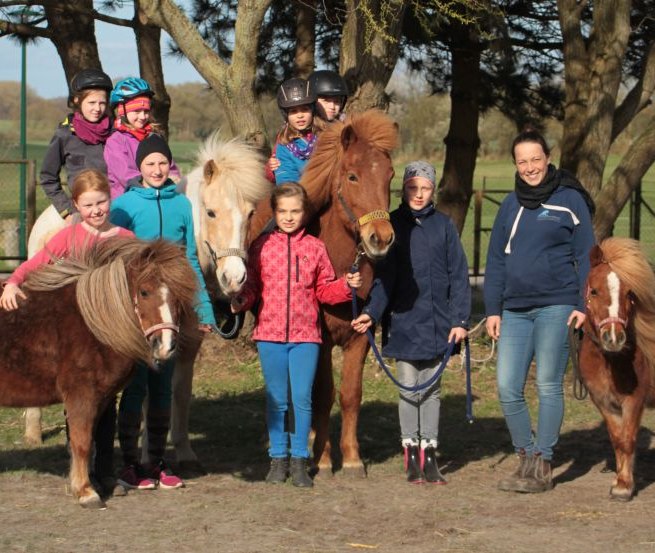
[420, 169]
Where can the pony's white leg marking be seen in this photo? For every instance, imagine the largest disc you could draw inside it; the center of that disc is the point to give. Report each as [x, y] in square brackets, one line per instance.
[614, 287]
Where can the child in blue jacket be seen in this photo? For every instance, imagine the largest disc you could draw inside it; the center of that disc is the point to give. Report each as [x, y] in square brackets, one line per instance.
[152, 208]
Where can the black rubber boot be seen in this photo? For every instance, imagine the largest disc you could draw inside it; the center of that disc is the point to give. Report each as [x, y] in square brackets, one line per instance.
[279, 471]
[299, 476]
[413, 464]
[430, 467]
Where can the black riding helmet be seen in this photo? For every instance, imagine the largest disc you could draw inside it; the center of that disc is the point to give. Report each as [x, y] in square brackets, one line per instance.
[89, 79]
[294, 92]
[329, 83]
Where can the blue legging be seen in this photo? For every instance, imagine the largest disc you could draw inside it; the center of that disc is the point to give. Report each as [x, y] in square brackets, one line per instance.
[288, 366]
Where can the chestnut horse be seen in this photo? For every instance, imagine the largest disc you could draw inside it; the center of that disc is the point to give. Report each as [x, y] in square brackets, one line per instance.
[617, 354]
[348, 182]
[84, 323]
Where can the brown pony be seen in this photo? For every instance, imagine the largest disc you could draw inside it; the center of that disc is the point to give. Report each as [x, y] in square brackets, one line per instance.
[617, 355]
[84, 323]
[348, 183]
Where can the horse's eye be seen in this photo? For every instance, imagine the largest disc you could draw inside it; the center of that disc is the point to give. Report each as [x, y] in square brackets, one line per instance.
[211, 213]
[593, 292]
[143, 293]
[352, 177]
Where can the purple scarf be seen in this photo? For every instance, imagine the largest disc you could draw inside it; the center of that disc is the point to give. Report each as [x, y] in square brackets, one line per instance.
[91, 133]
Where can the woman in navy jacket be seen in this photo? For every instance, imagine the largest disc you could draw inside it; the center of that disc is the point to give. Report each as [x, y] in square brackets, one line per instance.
[422, 294]
[537, 263]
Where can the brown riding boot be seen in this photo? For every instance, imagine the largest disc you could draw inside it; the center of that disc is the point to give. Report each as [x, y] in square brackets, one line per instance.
[516, 482]
[540, 476]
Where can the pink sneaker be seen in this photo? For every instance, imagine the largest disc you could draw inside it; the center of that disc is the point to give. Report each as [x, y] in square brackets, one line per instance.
[134, 478]
[167, 480]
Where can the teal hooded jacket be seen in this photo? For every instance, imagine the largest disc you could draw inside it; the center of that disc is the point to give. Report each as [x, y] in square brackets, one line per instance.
[153, 213]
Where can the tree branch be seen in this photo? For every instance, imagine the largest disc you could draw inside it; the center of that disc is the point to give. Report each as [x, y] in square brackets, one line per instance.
[639, 96]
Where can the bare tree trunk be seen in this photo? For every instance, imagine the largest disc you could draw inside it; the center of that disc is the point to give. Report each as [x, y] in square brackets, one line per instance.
[72, 32]
[369, 51]
[462, 141]
[305, 38]
[150, 66]
[233, 83]
[593, 119]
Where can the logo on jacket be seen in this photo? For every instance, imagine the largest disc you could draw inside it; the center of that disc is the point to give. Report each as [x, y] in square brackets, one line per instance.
[545, 215]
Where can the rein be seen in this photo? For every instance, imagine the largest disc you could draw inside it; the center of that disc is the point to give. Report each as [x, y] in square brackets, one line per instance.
[435, 376]
[580, 391]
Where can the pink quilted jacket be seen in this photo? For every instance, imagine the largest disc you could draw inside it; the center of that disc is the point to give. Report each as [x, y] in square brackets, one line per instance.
[291, 273]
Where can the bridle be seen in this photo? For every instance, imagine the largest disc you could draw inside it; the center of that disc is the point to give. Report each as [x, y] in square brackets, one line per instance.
[147, 332]
[375, 215]
[215, 255]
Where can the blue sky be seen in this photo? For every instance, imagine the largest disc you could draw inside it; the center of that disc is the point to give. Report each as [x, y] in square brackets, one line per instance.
[45, 73]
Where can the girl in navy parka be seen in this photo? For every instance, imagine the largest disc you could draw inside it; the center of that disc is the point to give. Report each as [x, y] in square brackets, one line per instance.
[423, 287]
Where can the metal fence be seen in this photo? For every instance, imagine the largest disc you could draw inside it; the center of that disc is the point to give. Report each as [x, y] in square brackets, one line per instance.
[17, 209]
[637, 220]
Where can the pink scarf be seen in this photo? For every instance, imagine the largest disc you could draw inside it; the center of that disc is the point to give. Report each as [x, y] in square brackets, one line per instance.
[91, 133]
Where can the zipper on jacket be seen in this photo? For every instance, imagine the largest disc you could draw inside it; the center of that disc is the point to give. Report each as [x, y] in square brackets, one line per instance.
[288, 286]
[161, 217]
[297, 269]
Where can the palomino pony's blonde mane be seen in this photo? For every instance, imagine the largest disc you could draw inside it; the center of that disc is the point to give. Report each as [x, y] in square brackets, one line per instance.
[240, 166]
[626, 258]
[373, 126]
[103, 290]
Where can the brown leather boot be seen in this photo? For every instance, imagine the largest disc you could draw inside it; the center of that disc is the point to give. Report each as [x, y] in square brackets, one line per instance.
[540, 477]
[516, 481]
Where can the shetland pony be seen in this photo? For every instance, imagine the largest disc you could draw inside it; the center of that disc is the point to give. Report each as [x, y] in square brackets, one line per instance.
[84, 323]
[348, 182]
[617, 355]
[224, 187]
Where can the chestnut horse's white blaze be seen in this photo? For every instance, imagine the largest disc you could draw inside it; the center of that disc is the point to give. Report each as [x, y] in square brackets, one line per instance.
[168, 335]
[614, 287]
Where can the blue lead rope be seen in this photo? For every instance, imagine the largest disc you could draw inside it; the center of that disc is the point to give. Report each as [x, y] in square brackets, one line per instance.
[435, 376]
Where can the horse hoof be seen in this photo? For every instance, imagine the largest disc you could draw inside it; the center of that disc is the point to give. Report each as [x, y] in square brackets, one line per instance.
[354, 471]
[33, 441]
[92, 501]
[621, 494]
[321, 473]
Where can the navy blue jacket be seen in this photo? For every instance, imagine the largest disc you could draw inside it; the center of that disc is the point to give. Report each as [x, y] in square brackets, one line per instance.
[546, 261]
[422, 285]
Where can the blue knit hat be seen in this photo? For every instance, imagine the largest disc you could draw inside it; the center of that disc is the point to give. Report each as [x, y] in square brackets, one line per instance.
[420, 169]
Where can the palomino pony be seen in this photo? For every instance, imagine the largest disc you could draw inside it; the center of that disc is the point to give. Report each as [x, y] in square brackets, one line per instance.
[617, 355]
[348, 183]
[84, 323]
[224, 189]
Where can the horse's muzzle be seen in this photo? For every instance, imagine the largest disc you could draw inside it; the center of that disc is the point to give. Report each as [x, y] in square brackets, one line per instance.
[612, 337]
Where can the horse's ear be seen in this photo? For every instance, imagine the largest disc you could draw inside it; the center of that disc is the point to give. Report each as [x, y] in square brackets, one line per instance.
[348, 136]
[210, 170]
[596, 255]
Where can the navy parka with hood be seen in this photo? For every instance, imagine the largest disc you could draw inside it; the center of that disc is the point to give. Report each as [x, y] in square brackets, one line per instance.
[422, 286]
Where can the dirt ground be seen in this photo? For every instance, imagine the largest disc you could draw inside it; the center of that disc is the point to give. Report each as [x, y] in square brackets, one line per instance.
[231, 509]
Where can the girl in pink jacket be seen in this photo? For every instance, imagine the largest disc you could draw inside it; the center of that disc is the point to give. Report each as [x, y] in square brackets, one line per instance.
[290, 272]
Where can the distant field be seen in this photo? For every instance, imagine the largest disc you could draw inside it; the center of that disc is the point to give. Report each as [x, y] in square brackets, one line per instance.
[489, 174]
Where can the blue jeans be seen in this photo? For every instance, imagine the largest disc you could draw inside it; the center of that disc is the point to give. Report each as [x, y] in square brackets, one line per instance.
[288, 368]
[539, 333]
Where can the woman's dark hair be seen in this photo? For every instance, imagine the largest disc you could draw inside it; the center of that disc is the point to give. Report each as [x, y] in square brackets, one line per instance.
[288, 190]
[530, 135]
